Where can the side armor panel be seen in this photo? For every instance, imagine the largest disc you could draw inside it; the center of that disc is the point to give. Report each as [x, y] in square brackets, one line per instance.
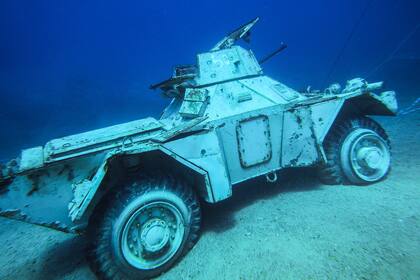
[204, 151]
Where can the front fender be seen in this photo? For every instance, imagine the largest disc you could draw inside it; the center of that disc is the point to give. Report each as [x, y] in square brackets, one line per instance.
[89, 192]
[383, 104]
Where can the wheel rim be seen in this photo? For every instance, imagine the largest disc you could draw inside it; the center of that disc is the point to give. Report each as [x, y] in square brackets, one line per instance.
[152, 235]
[369, 156]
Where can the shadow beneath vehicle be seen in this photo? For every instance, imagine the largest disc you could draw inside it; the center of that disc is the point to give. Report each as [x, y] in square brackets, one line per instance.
[64, 258]
[219, 217]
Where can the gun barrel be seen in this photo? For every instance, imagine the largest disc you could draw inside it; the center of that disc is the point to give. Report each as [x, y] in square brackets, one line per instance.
[265, 59]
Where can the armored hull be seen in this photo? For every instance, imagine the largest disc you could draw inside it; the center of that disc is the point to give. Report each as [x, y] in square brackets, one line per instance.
[227, 123]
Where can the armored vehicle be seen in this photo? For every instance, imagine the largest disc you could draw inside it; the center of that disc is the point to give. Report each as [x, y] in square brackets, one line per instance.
[136, 188]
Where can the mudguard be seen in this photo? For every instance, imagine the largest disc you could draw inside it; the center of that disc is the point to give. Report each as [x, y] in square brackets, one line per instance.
[383, 104]
[63, 192]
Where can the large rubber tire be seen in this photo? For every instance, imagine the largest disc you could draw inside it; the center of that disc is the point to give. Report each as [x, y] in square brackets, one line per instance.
[141, 230]
[358, 152]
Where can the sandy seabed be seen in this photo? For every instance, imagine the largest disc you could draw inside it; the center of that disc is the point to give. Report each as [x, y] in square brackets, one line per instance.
[294, 229]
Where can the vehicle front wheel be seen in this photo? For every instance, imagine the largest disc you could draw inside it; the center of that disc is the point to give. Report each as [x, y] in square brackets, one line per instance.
[358, 152]
[143, 229]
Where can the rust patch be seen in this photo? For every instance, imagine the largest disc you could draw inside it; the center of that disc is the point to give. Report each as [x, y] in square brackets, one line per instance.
[69, 170]
[62, 170]
[4, 185]
[70, 175]
[294, 161]
[299, 120]
[34, 178]
[13, 214]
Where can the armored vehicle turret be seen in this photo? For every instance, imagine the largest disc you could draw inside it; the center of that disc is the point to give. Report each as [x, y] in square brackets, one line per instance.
[136, 187]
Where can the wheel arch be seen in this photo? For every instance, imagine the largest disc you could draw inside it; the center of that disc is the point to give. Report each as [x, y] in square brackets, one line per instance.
[369, 104]
[117, 169]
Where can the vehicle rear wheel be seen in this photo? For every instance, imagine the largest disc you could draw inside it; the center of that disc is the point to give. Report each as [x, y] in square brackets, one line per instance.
[144, 229]
[358, 152]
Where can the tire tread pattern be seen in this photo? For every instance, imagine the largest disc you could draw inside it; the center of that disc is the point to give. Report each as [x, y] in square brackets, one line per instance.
[331, 172]
[100, 252]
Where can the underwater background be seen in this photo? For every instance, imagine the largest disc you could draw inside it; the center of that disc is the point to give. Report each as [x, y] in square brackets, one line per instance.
[71, 66]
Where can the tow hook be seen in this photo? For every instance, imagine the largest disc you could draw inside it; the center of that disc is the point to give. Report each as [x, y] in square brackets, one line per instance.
[271, 177]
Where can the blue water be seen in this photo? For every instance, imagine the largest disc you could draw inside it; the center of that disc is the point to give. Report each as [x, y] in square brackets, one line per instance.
[70, 66]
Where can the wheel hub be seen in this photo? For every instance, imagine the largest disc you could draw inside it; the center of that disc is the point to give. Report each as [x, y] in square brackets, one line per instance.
[370, 157]
[366, 154]
[154, 235]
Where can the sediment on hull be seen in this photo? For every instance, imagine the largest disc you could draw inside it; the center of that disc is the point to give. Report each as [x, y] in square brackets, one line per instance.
[38, 198]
